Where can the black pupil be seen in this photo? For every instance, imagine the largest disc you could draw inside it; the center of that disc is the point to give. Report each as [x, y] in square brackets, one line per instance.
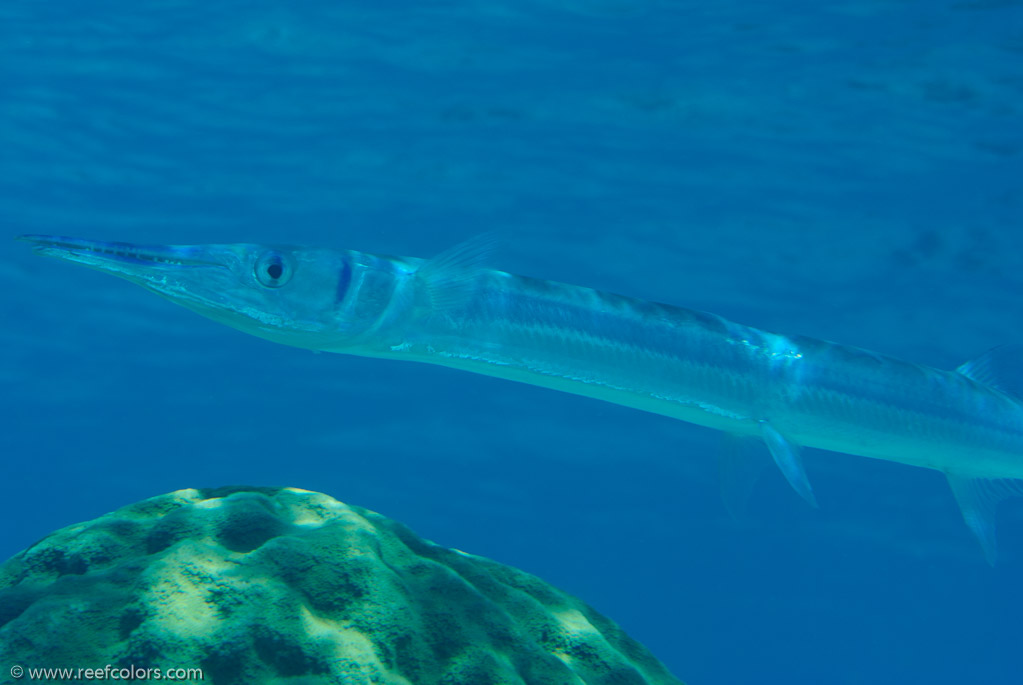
[274, 270]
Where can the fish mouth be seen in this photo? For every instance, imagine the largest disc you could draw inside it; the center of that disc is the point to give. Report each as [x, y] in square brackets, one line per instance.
[123, 259]
[203, 278]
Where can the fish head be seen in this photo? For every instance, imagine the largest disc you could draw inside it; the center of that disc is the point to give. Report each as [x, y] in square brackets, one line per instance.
[297, 296]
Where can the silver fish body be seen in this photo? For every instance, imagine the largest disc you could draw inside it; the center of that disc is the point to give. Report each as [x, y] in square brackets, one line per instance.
[791, 391]
[704, 369]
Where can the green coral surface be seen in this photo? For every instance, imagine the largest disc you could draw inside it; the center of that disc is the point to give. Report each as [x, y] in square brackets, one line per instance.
[278, 585]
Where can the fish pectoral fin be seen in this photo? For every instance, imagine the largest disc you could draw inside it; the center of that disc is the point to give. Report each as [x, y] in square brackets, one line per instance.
[978, 499]
[449, 280]
[788, 456]
[1000, 368]
[741, 461]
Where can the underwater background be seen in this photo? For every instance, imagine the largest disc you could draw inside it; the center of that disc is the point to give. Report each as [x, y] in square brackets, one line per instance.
[847, 170]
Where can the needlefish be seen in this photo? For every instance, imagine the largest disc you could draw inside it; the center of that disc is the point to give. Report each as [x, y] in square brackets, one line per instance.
[786, 391]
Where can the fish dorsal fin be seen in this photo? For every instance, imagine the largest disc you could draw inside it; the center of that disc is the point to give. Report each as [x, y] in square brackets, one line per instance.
[788, 456]
[449, 279]
[978, 499]
[1000, 368]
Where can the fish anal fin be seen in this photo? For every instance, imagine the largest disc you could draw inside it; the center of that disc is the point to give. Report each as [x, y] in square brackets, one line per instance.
[741, 461]
[1000, 368]
[978, 499]
[449, 280]
[788, 456]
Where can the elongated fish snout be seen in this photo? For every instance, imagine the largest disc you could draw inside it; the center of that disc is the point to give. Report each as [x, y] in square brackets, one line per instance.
[123, 259]
[241, 285]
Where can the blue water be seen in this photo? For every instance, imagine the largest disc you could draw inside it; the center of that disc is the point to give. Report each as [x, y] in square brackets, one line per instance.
[851, 171]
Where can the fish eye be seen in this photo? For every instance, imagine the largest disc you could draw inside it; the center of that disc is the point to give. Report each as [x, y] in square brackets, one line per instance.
[273, 270]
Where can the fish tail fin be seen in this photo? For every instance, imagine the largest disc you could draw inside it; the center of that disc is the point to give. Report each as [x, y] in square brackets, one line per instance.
[978, 499]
